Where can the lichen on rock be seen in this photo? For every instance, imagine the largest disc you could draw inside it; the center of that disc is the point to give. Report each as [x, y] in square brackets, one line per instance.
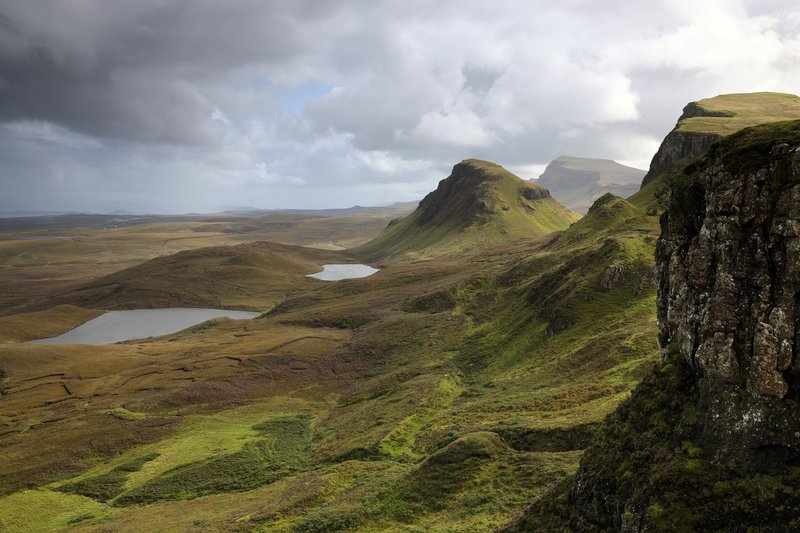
[728, 286]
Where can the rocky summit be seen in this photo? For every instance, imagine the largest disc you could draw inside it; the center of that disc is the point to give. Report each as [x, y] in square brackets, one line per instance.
[706, 121]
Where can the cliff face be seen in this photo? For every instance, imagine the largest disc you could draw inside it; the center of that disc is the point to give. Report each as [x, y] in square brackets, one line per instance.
[681, 147]
[729, 264]
[729, 290]
[711, 440]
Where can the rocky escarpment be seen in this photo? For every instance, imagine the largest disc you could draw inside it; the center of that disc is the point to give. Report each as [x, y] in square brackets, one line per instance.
[710, 441]
[681, 147]
[729, 261]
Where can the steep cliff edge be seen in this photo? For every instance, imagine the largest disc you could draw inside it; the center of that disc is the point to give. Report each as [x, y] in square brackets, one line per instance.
[705, 122]
[710, 441]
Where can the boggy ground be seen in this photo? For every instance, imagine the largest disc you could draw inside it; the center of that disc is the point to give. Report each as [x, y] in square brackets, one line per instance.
[441, 395]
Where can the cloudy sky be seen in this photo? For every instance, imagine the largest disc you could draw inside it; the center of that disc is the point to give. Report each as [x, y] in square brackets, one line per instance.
[177, 105]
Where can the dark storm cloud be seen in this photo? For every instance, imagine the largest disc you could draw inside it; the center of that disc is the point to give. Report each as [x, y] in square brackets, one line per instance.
[192, 105]
[135, 70]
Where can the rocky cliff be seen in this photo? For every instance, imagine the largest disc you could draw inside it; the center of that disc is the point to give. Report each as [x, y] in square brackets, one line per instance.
[706, 121]
[710, 441]
[681, 147]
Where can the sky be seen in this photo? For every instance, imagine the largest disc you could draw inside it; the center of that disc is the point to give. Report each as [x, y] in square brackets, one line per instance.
[168, 106]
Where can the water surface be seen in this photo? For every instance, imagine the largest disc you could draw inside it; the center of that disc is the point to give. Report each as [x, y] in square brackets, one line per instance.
[117, 326]
[345, 271]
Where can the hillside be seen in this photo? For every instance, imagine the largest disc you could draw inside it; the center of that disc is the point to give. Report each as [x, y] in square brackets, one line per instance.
[438, 395]
[577, 182]
[253, 276]
[708, 442]
[480, 204]
[706, 121]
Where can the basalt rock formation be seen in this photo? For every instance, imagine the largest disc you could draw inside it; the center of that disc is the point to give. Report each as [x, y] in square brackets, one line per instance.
[680, 147]
[710, 441]
[707, 121]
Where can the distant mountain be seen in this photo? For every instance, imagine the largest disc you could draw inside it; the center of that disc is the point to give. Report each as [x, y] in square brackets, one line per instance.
[707, 121]
[479, 204]
[578, 181]
[20, 222]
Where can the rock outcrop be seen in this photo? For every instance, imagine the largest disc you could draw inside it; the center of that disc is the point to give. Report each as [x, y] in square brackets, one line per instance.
[711, 440]
[729, 264]
[681, 147]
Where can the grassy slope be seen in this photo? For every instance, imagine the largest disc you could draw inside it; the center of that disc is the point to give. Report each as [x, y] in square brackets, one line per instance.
[649, 466]
[741, 111]
[472, 212]
[33, 269]
[248, 276]
[440, 396]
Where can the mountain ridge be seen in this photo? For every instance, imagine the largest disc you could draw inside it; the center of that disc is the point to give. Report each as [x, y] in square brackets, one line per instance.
[480, 203]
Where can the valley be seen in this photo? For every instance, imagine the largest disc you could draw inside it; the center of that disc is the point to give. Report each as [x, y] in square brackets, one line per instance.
[461, 381]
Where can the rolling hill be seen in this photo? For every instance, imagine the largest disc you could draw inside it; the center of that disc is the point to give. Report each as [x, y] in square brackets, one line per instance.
[480, 204]
[439, 395]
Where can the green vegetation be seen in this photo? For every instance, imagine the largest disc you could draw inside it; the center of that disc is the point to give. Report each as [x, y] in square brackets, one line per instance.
[730, 113]
[278, 453]
[479, 205]
[33, 511]
[439, 395]
[750, 148]
[649, 462]
[110, 485]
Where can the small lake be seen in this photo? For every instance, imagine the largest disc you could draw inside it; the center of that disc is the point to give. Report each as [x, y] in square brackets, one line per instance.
[118, 326]
[337, 272]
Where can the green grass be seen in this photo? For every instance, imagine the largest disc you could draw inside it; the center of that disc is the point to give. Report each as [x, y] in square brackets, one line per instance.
[479, 205]
[34, 511]
[432, 410]
[107, 486]
[742, 110]
[278, 452]
[399, 443]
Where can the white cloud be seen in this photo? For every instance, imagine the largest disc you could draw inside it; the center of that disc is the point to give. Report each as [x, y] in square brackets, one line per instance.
[414, 86]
